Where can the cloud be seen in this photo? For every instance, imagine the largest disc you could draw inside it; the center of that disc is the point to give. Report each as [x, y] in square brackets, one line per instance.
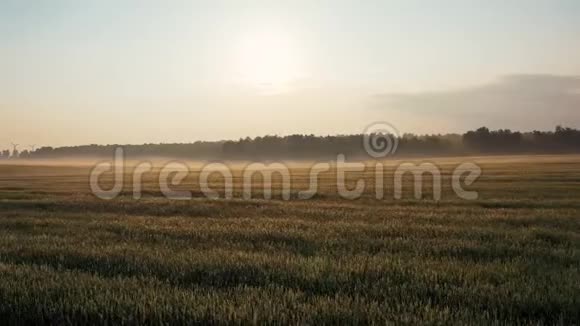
[515, 101]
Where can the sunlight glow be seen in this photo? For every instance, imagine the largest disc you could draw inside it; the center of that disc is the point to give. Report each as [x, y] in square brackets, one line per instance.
[268, 60]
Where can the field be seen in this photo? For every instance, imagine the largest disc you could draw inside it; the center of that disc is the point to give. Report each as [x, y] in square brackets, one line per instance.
[511, 256]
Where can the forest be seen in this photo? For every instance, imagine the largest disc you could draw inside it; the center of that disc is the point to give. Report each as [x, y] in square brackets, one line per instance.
[481, 141]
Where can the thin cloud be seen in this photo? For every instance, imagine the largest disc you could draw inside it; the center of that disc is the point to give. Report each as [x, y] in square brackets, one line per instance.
[522, 101]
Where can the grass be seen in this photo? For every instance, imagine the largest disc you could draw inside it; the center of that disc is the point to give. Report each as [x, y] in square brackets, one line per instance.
[512, 256]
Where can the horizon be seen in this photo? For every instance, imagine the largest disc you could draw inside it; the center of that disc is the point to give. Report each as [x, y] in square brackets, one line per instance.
[401, 135]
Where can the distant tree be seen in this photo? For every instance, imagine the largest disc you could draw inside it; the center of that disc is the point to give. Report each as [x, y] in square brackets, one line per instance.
[273, 147]
[25, 154]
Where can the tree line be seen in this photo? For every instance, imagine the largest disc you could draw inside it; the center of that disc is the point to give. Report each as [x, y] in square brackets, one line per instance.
[480, 141]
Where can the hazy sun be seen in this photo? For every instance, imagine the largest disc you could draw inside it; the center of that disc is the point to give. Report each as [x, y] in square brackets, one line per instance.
[268, 59]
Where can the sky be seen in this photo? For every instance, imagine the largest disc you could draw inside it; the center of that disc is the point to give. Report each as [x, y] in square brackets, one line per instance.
[137, 71]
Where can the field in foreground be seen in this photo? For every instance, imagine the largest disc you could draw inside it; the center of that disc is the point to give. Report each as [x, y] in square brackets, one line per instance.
[512, 256]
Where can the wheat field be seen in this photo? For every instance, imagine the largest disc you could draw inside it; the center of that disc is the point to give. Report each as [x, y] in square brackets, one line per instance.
[511, 256]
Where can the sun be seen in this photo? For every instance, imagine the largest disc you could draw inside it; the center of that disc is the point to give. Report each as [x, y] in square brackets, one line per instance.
[268, 59]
